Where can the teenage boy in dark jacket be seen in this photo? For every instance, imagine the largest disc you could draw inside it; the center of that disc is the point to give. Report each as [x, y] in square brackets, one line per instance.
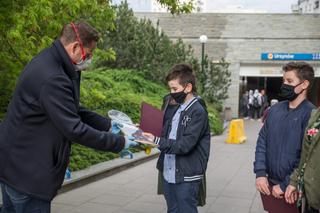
[184, 144]
[279, 143]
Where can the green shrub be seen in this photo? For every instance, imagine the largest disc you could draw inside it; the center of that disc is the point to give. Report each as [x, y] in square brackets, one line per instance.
[102, 90]
[215, 121]
[143, 46]
[124, 90]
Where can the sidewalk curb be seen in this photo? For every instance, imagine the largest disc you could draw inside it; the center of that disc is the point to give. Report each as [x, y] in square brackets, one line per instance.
[103, 173]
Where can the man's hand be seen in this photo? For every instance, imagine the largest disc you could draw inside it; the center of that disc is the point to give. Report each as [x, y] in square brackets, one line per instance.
[291, 194]
[129, 142]
[262, 185]
[277, 192]
[126, 152]
[115, 127]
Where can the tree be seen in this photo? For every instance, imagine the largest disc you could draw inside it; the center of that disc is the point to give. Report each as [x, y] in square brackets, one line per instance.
[176, 7]
[215, 80]
[141, 45]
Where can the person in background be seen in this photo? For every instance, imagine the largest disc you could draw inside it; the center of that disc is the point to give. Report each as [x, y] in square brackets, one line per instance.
[251, 109]
[279, 142]
[265, 113]
[256, 104]
[244, 105]
[264, 102]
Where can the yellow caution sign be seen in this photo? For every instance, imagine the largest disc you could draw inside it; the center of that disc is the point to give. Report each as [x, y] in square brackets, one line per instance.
[236, 133]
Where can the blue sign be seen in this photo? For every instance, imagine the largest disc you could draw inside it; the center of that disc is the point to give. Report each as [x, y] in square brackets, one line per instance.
[291, 56]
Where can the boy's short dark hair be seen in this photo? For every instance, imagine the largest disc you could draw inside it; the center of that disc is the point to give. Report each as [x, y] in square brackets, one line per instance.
[86, 32]
[184, 73]
[303, 70]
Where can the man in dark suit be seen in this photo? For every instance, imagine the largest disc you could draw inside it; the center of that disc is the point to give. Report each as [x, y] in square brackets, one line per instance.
[44, 117]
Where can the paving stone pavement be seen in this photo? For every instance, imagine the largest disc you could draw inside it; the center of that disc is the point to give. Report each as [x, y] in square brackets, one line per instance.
[230, 184]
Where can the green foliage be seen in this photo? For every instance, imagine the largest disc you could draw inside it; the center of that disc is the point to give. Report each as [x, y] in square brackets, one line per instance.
[102, 90]
[176, 7]
[215, 121]
[82, 157]
[27, 27]
[215, 81]
[142, 46]
[124, 90]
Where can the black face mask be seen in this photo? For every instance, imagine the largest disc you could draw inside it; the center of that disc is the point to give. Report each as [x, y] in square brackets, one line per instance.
[288, 93]
[179, 97]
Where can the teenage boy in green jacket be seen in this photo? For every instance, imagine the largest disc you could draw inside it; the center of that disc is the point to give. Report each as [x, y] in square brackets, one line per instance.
[305, 180]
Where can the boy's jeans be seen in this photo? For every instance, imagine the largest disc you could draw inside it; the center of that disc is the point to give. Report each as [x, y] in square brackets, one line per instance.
[182, 197]
[16, 202]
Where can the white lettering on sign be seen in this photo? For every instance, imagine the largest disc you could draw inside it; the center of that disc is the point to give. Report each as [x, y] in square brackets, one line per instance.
[283, 56]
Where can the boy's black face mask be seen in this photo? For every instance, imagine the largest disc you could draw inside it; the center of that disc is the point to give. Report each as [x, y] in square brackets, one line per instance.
[179, 97]
[288, 93]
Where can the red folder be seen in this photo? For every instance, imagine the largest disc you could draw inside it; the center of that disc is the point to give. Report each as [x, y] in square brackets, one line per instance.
[274, 205]
[151, 119]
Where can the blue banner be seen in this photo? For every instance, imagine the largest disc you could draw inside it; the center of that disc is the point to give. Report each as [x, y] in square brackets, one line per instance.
[291, 56]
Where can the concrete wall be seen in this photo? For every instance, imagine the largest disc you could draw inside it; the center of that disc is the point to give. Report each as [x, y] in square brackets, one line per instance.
[242, 37]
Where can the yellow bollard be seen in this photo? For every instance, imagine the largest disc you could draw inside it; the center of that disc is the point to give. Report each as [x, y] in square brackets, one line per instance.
[236, 133]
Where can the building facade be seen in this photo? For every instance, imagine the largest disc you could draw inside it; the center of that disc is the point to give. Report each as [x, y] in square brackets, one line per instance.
[256, 45]
[307, 6]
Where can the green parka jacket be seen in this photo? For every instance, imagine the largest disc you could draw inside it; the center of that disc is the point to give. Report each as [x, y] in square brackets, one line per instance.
[309, 166]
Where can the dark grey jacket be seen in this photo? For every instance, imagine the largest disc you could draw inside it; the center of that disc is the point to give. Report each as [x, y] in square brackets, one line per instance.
[43, 117]
[192, 146]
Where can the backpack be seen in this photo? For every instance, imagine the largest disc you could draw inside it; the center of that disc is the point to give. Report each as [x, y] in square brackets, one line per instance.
[256, 102]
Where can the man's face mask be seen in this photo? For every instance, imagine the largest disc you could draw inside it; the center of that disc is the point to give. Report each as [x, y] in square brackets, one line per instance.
[288, 93]
[85, 59]
[83, 64]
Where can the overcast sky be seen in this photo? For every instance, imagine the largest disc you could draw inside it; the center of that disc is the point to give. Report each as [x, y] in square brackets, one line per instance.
[272, 6]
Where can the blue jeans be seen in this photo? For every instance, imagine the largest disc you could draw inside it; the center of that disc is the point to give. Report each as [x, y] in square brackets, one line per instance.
[181, 197]
[17, 202]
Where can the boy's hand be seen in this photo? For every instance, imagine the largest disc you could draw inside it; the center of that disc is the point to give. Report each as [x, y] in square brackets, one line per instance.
[262, 185]
[149, 136]
[291, 194]
[277, 192]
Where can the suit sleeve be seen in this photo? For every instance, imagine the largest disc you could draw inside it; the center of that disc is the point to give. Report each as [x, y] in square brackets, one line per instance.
[94, 120]
[57, 100]
[260, 167]
[193, 131]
